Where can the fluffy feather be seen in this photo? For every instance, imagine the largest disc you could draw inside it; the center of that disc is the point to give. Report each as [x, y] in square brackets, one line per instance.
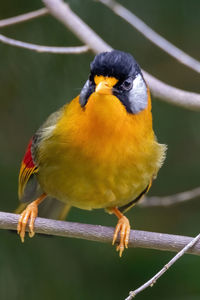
[28, 168]
[29, 188]
[100, 156]
[96, 155]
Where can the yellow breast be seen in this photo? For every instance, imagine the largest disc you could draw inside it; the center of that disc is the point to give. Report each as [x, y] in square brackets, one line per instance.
[99, 156]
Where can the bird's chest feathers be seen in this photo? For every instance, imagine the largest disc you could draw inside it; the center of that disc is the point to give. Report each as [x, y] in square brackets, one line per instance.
[104, 130]
[101, 152]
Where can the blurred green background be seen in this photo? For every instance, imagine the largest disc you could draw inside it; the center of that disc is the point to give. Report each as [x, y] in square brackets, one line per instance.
[32, 85]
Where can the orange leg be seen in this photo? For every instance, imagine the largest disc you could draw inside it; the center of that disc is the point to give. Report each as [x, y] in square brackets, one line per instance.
[123, 226]
[30, 212]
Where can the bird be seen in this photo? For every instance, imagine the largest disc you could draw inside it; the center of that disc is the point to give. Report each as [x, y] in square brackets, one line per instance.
[98, 151]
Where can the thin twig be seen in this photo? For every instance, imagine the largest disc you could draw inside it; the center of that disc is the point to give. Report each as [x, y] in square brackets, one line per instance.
[153, 280]
[152, 35]
[158, 88]
[23, 18]
[172, 95]
[62, 12]
[138, 238]
[172, 199]
[40, 48]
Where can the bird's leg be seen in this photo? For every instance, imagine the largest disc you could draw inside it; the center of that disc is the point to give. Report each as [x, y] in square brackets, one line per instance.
[123, 226]
[30, 212]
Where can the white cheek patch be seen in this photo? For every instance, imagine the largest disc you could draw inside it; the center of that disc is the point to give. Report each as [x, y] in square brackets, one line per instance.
[138, 96]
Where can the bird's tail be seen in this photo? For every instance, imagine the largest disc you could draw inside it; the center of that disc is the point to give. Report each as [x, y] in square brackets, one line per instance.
[50, 208]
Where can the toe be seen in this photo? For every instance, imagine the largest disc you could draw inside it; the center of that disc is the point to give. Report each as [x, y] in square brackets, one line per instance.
[122, 233]
[120, 248]
[123, 227]
[31, 227]
[126, 239]
[33, 215]
[117, 229]
[23, 226]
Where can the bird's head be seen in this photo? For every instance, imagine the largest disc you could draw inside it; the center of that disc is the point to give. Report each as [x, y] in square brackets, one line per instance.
[116, 73]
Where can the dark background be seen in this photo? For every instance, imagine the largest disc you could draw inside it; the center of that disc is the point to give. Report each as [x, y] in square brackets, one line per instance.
[32, 85]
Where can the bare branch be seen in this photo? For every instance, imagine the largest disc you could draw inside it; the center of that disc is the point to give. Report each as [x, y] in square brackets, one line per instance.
[153, 280]
[167, 93]
[151, 240]
[40, 48]
[23, 18]
[62, 12]
[170, 200]
[138, 239]
[171, 94]
[152, 36]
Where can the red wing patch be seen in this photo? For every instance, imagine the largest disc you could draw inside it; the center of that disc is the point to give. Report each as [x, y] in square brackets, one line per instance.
[27, 169]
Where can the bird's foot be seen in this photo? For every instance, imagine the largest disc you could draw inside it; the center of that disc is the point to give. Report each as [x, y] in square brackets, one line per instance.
[123, 227]
[29, 214]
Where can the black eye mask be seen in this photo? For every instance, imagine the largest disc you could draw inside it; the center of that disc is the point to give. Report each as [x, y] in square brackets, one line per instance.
[134, 96]
[86, 91]
[131, 88]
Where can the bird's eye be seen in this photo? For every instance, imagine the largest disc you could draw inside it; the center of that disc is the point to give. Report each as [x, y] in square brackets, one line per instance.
[127, 84]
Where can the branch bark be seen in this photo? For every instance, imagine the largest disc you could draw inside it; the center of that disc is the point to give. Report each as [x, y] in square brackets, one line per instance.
[152, 35]
[23, 18]
[172, 95]
[141, 239]
[153, 280]
[170, 200]
[62, 12]
[97, 233]
[42, 49]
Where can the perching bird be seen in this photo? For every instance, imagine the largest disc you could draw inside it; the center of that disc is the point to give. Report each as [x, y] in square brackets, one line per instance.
[98, 151]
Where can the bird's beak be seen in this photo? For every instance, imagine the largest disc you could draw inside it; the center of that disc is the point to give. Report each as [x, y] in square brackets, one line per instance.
[103, 88]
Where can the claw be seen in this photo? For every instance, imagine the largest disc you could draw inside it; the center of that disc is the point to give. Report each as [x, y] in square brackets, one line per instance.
[29, 214]
[117, 229]
[123, 227]
[31, 223]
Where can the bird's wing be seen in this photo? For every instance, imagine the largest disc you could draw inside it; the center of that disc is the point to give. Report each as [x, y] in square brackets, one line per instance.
[28, 168]
[128, 206]
[29, 188]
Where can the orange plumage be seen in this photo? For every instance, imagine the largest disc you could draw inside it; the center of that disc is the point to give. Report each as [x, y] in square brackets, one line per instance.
[99, 151]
